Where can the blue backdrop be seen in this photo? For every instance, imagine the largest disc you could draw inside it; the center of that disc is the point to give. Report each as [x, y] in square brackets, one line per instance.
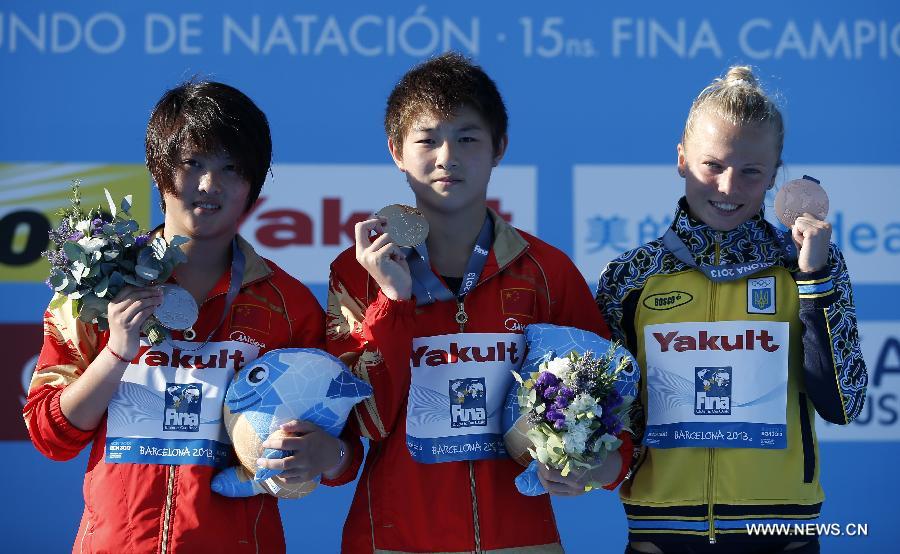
[597, 95]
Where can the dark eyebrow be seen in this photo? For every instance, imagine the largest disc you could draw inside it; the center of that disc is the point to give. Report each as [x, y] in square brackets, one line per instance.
[472, 127]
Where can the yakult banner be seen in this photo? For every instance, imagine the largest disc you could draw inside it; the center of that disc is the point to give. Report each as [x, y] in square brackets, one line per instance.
[306, 213]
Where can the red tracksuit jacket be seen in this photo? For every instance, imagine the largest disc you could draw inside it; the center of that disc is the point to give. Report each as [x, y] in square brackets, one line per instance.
[402, 505]
[168, 508]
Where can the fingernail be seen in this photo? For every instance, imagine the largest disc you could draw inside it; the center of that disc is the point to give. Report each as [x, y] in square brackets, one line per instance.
[260, 462]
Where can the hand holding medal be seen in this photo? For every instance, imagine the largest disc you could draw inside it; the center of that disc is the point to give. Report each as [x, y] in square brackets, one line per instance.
[406, 225]
[400, 227]
[178, 311]
[802, 205]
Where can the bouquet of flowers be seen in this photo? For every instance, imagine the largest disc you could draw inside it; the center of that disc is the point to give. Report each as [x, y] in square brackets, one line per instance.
[97, 253]
[574, 405]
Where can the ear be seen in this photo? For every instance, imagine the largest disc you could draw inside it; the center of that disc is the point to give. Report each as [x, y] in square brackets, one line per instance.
[162, 199]
[682, 165]
[774, 175]
[396, 154]
[501, 149]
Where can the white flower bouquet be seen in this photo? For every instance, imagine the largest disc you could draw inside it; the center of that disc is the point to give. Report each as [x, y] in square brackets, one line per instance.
[96, 253]
[573, 406]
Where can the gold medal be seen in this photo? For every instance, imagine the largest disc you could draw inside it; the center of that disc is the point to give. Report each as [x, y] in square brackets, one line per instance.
[405, 224]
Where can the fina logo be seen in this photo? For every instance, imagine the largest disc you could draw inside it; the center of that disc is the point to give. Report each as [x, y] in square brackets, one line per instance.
[182, 410]
[713, 390]
[468, 405]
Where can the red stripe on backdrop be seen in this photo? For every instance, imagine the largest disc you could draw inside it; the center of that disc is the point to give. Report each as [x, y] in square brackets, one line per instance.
[21, 345]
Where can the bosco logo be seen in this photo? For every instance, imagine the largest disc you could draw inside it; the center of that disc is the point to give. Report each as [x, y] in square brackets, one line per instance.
[468, 406]
[713, 390]
[667, 300]
[182, 407]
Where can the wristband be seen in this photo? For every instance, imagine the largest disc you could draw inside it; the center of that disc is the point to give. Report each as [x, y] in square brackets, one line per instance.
[124, 359]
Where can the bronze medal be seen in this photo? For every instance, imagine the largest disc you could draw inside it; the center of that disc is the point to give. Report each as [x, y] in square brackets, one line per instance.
[798, 197]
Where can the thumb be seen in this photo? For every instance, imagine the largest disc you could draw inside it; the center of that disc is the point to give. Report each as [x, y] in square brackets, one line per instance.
[797, 235]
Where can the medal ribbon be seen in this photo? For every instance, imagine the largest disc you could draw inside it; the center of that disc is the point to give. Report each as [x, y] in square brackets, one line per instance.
[238, 263]
[726, 272]
[428, 288]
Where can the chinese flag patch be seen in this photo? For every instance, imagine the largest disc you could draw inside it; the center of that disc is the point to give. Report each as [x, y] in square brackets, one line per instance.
[517, 302]
[251, 317]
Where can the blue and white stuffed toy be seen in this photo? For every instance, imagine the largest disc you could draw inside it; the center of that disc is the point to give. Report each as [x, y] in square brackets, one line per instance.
[280, 386]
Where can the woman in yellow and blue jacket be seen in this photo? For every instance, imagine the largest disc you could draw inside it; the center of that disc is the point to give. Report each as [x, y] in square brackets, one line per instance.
[743, 333]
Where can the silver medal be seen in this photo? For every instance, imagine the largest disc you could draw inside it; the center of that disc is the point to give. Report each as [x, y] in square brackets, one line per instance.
[178, 309]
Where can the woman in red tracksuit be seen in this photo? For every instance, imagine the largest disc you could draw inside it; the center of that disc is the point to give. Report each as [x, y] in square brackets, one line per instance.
[146, 490]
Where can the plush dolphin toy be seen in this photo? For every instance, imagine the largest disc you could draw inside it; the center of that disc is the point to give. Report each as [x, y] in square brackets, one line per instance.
[282, 385]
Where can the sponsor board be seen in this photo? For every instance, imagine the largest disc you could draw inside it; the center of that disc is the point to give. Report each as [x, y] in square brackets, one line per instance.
[306, 213]
[457, 390]
[617, 208]
[32, 193]
[620, 207]
[720, 384]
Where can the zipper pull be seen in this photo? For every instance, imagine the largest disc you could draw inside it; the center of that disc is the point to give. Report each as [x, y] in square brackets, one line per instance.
[717, 238]
[461, 316]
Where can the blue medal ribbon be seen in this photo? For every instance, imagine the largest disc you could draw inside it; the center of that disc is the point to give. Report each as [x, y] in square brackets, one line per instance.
[238, 263]
[726, 272]
[428, 288]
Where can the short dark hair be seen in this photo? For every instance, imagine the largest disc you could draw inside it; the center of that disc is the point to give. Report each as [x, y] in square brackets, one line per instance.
[209, 116]
[441, 86]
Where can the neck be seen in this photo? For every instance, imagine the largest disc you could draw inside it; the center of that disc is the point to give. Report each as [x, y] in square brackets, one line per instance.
[452, 236]
[207, 259]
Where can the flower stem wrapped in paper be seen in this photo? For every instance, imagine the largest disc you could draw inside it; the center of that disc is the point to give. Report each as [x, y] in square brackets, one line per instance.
[280, 386]
[571, 401]
[96, 253]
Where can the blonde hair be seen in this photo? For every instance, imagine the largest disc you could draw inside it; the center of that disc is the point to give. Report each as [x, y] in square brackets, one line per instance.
[737, 98]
